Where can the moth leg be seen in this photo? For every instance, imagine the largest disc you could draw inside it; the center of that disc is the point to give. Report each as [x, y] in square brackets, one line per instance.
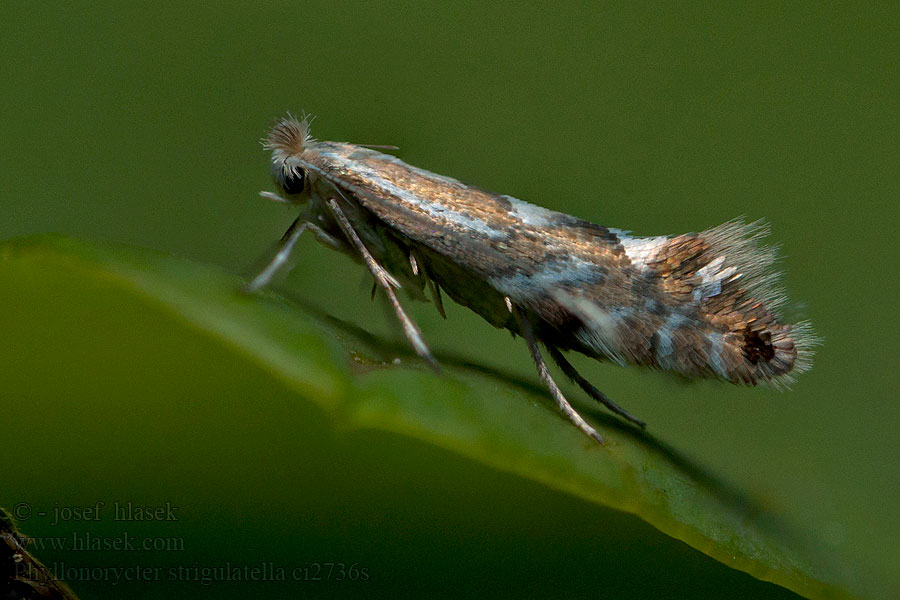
[327, 238]
[420, 270]
[386, 281]
[435, 289]
[285, 246]
[544, 374]
[589, 388]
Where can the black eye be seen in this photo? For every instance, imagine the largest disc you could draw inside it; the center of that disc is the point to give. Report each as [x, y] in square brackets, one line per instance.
[294, 181]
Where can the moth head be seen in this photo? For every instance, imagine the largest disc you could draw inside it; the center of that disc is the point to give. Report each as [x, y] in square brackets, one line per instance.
[287, 140]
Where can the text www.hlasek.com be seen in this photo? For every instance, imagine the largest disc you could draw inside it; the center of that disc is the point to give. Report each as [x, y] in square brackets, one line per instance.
[86, 542]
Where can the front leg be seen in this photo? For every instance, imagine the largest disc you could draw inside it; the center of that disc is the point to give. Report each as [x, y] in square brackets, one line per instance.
[282, 254]
[386, 281]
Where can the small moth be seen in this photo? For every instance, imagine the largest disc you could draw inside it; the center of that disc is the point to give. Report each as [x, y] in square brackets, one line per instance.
[703, 305]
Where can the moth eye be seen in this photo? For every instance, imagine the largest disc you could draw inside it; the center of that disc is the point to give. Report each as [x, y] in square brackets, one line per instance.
[294, 181]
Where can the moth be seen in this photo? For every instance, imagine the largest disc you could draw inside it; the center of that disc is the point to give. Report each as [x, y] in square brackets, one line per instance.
[703, 305]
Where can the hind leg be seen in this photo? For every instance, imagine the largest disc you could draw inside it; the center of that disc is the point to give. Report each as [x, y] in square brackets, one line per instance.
[547, 378]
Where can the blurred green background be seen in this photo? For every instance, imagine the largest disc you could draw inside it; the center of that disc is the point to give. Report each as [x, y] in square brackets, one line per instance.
[140, 122]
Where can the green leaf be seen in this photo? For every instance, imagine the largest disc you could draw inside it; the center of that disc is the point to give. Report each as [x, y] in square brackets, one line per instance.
[135, 376]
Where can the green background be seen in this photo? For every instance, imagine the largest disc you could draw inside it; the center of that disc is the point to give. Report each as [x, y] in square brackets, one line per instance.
[139, 124]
